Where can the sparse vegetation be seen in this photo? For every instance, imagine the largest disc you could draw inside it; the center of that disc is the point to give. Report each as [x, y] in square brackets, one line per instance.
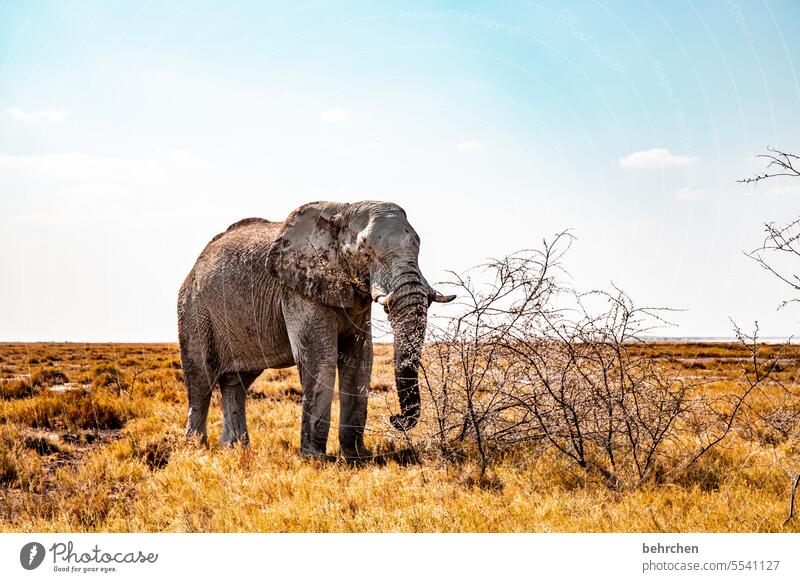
[48, 377]
[132, 470]
[17, 388]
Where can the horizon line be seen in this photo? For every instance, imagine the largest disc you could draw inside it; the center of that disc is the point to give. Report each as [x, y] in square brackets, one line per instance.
[647, 339]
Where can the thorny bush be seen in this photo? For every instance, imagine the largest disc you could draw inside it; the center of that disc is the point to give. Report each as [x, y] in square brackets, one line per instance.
[532, 361]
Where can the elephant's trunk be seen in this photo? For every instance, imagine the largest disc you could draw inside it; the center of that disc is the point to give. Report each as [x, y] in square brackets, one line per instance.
[407, 311]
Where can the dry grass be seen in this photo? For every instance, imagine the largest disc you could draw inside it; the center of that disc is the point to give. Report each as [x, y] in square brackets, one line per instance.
[107, 454]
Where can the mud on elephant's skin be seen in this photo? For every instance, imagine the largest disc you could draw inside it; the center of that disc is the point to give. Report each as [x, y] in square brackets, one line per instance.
[268, 294]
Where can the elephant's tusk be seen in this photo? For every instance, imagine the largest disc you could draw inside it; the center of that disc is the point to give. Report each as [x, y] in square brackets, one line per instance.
[439, 298]
[385, 299]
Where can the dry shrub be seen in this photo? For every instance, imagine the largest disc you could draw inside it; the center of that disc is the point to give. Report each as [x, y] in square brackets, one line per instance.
[14, 389]
[108, 376]
[71, 410]
[42, 444]
[49, 377]
[156, 452]
[152, 441]
[532, 362]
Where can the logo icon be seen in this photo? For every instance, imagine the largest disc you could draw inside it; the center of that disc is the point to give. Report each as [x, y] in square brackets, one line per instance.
[31, 555]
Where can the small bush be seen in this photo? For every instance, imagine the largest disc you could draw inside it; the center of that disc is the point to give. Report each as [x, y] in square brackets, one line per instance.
[154, 448]
[42, 444]
[49, 377]
[15, 389]
[108, 376]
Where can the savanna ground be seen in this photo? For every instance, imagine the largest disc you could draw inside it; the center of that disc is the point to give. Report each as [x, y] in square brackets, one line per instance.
[91, 439]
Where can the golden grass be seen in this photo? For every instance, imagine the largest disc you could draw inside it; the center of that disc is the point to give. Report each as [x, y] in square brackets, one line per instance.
[110, 456]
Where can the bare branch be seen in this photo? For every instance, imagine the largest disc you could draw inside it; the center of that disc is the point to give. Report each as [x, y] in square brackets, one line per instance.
[780, 164]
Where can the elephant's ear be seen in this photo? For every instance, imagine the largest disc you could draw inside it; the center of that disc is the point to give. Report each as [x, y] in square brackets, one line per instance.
[306, 255]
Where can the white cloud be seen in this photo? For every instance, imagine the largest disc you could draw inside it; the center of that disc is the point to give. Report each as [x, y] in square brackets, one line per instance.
[656, 158]
[689, 193]
[471, 146]
[335, 115]
[74, 167]
[23, 116]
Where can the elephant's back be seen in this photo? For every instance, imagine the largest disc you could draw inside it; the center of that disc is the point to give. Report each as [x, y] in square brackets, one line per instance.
[246, 234]
[245, 243]
[238, 252]
[243, 224]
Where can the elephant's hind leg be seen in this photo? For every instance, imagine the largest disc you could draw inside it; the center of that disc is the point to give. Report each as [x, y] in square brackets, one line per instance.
[198, 387]
[234, 392]
[197, 362]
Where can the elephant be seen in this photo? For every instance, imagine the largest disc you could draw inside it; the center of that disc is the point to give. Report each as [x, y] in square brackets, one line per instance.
[268, 294]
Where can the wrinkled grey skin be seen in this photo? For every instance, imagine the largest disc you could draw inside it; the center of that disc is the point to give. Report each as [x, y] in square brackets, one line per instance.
[274, 294]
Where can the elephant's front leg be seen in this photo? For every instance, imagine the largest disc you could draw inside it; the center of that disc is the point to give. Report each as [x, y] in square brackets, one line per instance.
[312, 332]
[317, 376]
[355, 371]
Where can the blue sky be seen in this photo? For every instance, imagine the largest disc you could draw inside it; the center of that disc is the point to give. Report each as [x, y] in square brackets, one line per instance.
[132, 132]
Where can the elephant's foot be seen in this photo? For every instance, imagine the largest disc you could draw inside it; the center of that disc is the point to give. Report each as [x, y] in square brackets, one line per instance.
[317, 455]
[198, 436]
[197, 431]
[351, 447]
[230, 438]
[196, 426]
[357, 456]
